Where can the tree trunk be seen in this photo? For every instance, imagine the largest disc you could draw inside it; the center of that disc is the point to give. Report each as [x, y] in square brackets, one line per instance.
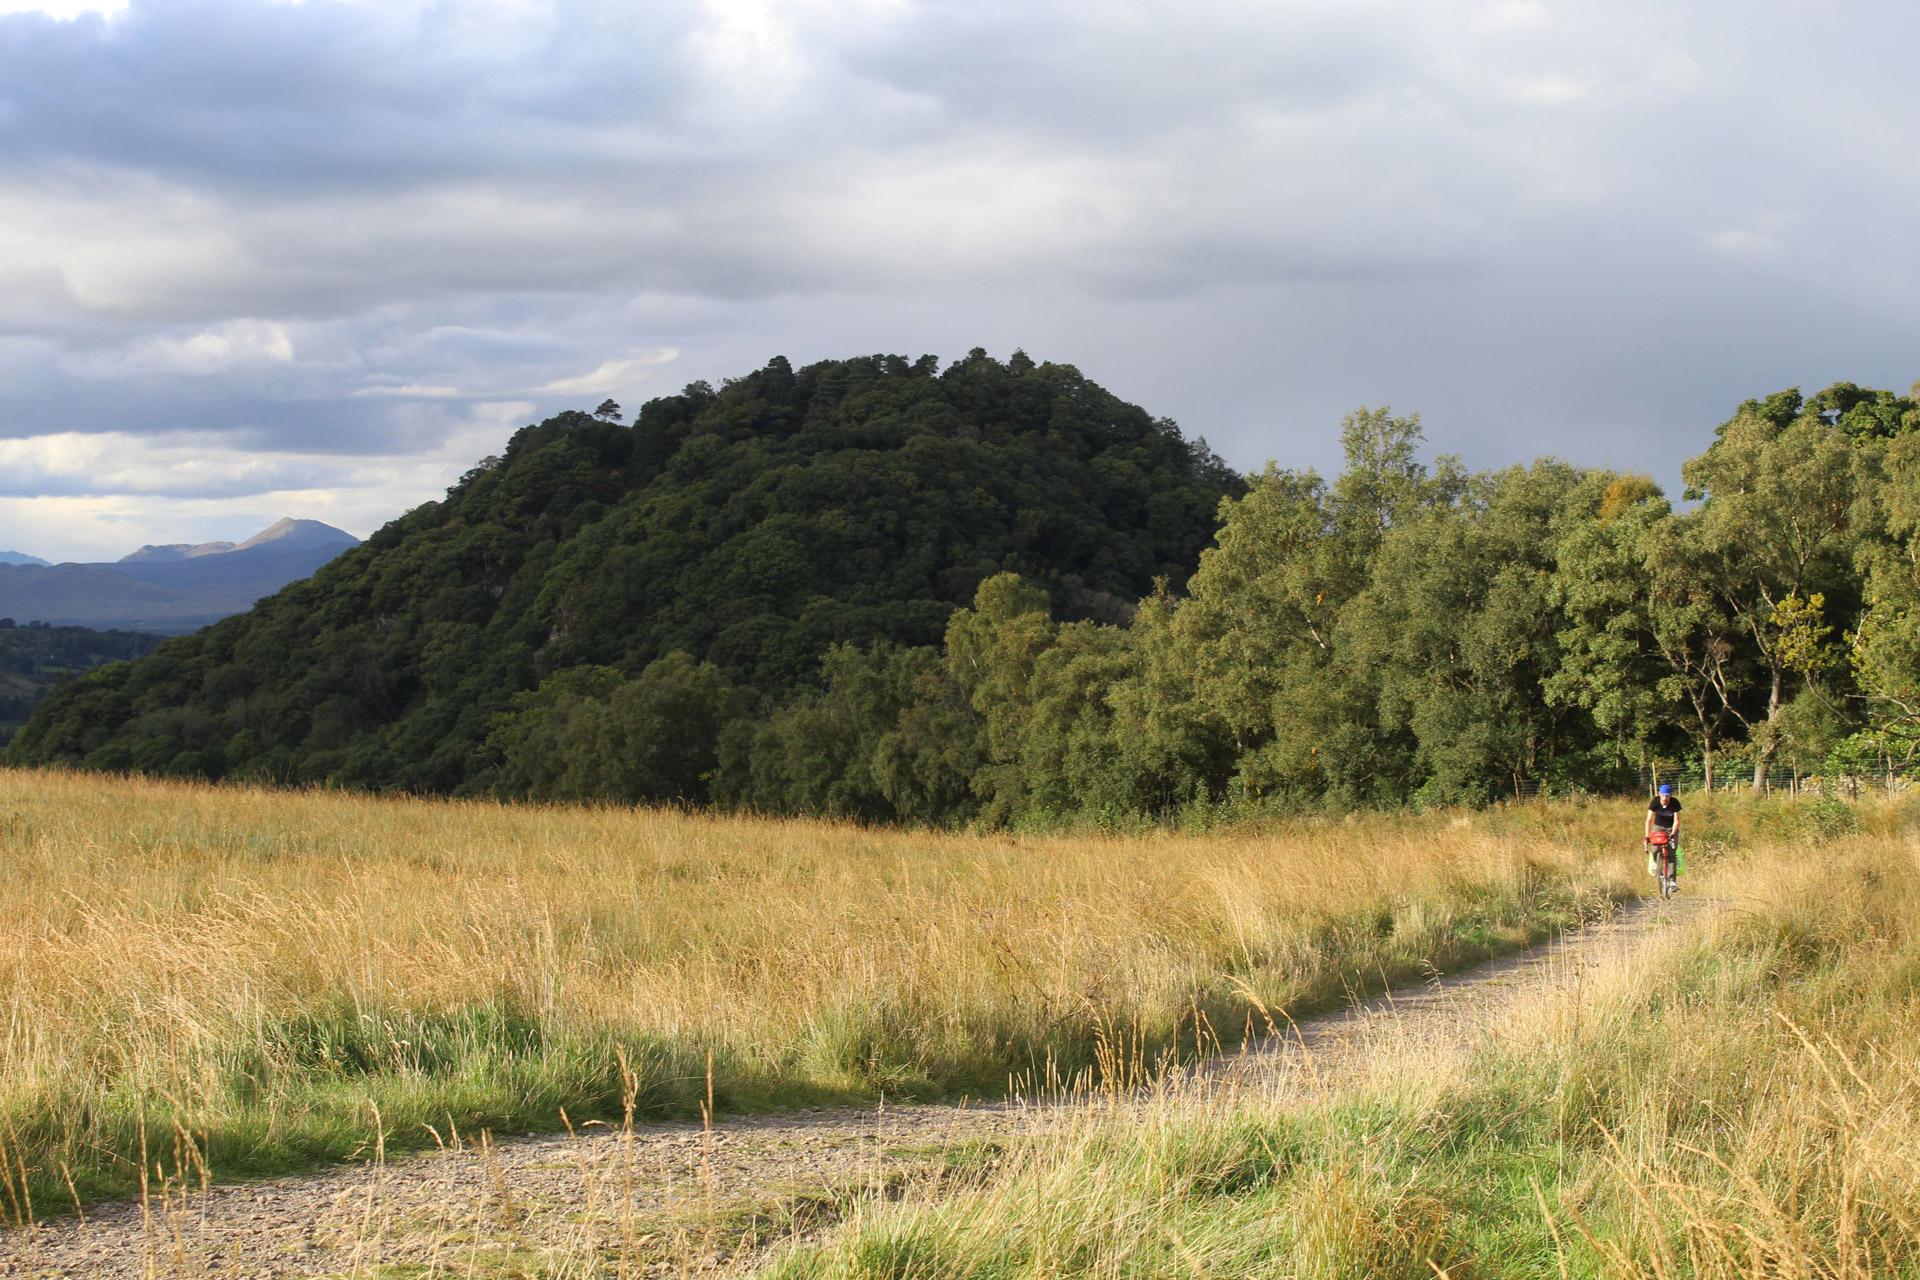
[1706, 737]
[1763, 759]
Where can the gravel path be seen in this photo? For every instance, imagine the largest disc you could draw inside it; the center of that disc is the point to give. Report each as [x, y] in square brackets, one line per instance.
[680, 1199]
[1452, 1009]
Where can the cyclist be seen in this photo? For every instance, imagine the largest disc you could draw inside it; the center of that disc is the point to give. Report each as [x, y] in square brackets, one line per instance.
[1663, 811]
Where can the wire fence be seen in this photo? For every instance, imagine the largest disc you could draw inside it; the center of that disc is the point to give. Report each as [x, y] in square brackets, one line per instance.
[1891, 779]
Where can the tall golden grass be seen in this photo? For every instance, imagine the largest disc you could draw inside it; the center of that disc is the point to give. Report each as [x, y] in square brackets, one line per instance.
[259, 974]
[1739, 1098]
[1756, 1109]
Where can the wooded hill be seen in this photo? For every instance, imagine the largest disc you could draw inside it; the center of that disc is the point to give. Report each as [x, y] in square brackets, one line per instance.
[36, 659]
[748, 528]
[749, 599]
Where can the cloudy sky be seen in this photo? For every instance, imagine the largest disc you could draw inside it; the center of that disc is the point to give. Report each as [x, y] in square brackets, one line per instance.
[264, 258]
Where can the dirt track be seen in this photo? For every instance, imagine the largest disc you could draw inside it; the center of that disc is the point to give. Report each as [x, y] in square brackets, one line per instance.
[679, 1199]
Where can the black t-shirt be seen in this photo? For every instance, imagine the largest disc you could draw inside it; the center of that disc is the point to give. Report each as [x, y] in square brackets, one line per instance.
[1663, 816]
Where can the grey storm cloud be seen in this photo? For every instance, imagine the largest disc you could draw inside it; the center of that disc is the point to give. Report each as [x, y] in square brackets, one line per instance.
[319, 235]
[296, 100]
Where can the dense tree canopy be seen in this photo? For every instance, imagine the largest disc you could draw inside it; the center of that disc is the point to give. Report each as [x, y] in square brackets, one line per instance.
[875, 590]
[36, 659]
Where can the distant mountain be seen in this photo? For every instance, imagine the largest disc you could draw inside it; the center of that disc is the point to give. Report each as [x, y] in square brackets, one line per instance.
[177, 551]
[173, 587]
[20, 557]
[285, 535]
[289, 535]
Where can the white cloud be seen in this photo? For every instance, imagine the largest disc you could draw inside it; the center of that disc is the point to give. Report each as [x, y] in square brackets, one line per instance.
[1552, 89]
[224, 348]
[235, 344]
[120, 464]
[618, 374]
[1744, 242]
[67, 496]
[66, 10]
[87, 243]
[408, 391]
[1514, 15]
[1674, 71]
[1762, 236]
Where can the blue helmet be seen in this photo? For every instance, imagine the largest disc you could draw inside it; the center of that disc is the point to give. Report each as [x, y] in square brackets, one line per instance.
[1666, 788]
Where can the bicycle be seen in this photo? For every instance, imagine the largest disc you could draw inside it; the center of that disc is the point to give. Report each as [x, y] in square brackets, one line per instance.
[1663, 860]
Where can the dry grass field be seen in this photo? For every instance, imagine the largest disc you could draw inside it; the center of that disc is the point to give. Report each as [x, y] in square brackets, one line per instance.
[234, 982]
[1739, 1098]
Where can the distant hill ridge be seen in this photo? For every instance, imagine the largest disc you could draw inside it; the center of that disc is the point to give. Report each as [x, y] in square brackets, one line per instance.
[177, 551]
[285, 534]
[170, 588]
[21, 557]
